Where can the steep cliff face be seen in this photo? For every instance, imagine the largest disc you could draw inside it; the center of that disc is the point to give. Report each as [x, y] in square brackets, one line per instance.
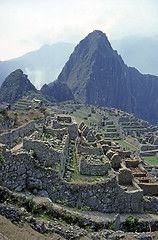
[97, 75]
[15, 86]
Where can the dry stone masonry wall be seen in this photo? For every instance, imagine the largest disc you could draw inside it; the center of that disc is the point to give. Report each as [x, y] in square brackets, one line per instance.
[40, 168]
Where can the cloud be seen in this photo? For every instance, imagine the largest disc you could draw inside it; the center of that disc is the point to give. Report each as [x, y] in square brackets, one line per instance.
[48, 21]
[36, 77]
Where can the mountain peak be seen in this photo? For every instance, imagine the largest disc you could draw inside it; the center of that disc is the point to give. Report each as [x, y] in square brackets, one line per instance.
[17, 73]
[97, 75]
[93, 52]
[99, 37]
[15, 86]
[97, 33]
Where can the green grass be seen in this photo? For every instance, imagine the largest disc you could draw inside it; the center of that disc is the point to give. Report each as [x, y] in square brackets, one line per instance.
[56, 166]
[126, 144]
[110, 126]
[83, 113]
[77, 177]
[153, 160]
[2, 160]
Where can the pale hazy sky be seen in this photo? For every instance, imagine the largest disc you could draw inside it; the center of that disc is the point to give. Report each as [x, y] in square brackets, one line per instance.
[26, 25]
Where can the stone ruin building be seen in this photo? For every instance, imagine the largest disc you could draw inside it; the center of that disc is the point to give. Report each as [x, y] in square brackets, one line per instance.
[135, 131]
[39, 158]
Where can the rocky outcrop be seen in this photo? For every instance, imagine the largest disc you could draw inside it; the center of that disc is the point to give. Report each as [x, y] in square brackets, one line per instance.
[15, 86]
[42, 65]
[97, 75]
[57, 92]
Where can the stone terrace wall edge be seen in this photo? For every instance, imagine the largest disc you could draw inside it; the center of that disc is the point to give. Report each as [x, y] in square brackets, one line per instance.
[19, 172]
[10, 138]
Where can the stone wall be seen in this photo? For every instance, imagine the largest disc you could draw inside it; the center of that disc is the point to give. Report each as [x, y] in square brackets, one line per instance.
[64, 118]
[149, 147]
[42, 151]
[111, 135]
[134, 141]
[132, 163]
[58, 132]
[46, 154]
[125, 176]
[6, 123]
[90, 150]
[72, 127]
[151, 204]
[93, 169]
[16, 170]
[149, 189]
[124, 154]
[10, 138]
[20, 172]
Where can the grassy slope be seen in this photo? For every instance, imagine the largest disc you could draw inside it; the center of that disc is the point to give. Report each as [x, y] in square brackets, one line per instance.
[153, 160]
[126, 144]
[9, 231]
[83, 113]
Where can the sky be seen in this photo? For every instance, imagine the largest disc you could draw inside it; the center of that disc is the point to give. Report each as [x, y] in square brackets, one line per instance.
[26, 25]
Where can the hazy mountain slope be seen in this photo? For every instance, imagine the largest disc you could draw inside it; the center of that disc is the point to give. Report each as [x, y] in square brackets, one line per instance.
[97, 75]
[139, 52]
[57, 92]
[42, 66]
[15, 86]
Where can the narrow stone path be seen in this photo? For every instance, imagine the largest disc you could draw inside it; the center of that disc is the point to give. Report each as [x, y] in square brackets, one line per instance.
[98, 217]
[17, 147]
[108, 217]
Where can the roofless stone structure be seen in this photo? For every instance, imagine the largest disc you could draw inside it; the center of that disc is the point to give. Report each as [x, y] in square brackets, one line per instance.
[56, 149]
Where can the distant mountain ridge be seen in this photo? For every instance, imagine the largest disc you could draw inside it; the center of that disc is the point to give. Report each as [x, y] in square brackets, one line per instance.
[139, 52]
[94, 74]
[97, 75]
[42, 66]
[17, 85]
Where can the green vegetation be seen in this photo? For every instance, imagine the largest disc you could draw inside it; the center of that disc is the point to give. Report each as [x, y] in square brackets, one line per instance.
[49, 212]
[86, 178]
[130, 224]
[75, 174]
[153, 160]
[126, 144]
[85, 208]
[24, 116]
[64, 202]
[47, 135]
[55, 142]
[110, 126]
[31, 206]
[43, 110]
[112, 226]
[4, 112]
[83, 114]
[37, 163]
[56, 166]
[2, 160]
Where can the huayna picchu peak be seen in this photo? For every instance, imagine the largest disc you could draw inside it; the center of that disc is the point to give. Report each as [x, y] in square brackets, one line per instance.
[94, 74]
[97, 75]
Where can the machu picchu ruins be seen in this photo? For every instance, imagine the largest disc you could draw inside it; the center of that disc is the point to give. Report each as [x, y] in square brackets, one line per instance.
[79, 164]
[78, 124]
